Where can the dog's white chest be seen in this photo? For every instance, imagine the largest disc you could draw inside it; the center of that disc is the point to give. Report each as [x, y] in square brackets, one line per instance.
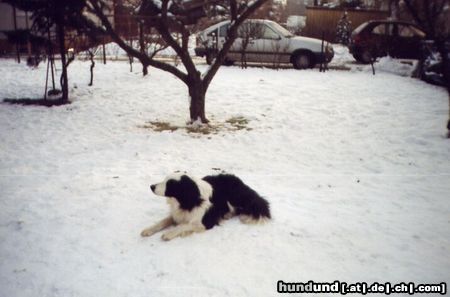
[181, 216]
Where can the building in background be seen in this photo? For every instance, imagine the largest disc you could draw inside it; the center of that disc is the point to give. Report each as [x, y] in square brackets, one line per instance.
[296, 7]
[11, 20]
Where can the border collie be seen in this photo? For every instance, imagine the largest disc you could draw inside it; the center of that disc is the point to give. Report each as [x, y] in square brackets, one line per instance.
[197, 205]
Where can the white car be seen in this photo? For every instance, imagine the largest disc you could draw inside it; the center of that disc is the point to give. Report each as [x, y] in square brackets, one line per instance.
[263, 41]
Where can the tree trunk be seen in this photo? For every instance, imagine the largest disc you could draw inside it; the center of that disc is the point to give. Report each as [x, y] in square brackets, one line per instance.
[62, 52]
[394, 9]
[104, 52]
[142, 47]
[15, 29]
[130, 60]
[197, 104]
[443, 50]
[448, 122]
[28, 35]
[91, 55]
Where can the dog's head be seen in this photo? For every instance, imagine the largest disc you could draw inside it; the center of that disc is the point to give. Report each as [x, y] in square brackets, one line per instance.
[188, 191]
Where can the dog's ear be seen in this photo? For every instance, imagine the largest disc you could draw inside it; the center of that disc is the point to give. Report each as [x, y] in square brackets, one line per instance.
[186, 192]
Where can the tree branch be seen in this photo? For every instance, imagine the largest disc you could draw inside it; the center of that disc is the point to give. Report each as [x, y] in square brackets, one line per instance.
[143, 58]
[415, 15]
[232, 34]
[233, 9]
[163, 29]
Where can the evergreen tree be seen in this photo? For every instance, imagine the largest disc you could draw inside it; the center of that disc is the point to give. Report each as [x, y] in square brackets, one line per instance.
[344, 30]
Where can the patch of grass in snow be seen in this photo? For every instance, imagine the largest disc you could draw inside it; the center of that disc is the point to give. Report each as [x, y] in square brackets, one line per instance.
[203, 129]
[232, 124]
[238, 123]
[159, 126]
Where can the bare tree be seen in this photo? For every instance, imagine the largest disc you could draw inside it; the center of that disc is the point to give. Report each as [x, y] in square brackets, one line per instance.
[394, 8]
[91, 53]
[136, 33]
[150, 43]
[248, 32]
[179, 17]
[430, 15]
[80, 43]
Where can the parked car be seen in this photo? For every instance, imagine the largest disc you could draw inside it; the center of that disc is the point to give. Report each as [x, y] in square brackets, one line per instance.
[433, 69]
[263, 41]
[375, 39]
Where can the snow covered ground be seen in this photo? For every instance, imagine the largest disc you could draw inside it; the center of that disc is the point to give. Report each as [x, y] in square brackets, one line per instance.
[355, 166]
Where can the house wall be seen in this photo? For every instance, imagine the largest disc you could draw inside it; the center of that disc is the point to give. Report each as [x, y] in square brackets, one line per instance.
[7, 24]
[73, 39]
[7, 19]
[296, 7]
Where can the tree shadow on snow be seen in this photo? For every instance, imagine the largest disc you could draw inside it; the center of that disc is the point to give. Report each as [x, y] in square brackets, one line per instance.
[37, 102]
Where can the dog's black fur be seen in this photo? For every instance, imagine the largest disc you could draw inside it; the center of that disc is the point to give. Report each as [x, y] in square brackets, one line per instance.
[185, 191]
[230, 189]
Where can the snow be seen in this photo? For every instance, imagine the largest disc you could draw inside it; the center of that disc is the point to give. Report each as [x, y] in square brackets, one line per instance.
[355, 166]
[115, 52]
[343, 58]
[296, 22]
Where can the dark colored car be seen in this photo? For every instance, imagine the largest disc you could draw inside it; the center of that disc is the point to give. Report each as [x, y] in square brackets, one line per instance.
[434, 69]
[375, 39]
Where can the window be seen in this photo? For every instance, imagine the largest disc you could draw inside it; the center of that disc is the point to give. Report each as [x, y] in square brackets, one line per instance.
[251, 30]
[409, 31]
[223, 30]
[390, 29]
[380, 29]
[268, 33]
[405, 31]
[281, 30]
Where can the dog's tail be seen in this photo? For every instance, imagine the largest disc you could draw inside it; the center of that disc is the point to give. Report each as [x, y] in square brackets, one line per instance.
[258, 212]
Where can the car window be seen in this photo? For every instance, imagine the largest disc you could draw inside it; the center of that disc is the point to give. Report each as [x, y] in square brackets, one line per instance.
[405, 31]
[280, 30]
[379, 30]
[223, 30]
[389, 29]
[250, 30]
[383, 29]
[268, 33]
[409, 31]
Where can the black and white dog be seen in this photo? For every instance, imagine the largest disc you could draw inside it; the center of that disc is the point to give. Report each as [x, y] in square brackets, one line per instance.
[197, 205]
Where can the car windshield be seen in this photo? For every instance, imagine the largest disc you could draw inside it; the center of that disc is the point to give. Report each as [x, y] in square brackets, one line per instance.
[281, 30]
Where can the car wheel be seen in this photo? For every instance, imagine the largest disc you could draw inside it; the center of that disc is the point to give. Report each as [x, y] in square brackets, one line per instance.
[302, 61]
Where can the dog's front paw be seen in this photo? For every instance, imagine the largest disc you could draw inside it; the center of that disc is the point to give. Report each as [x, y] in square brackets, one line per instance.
[169, 235]
[147, 232]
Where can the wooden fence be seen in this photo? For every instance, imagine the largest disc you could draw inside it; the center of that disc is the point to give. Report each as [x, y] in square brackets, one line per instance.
[324, 20]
